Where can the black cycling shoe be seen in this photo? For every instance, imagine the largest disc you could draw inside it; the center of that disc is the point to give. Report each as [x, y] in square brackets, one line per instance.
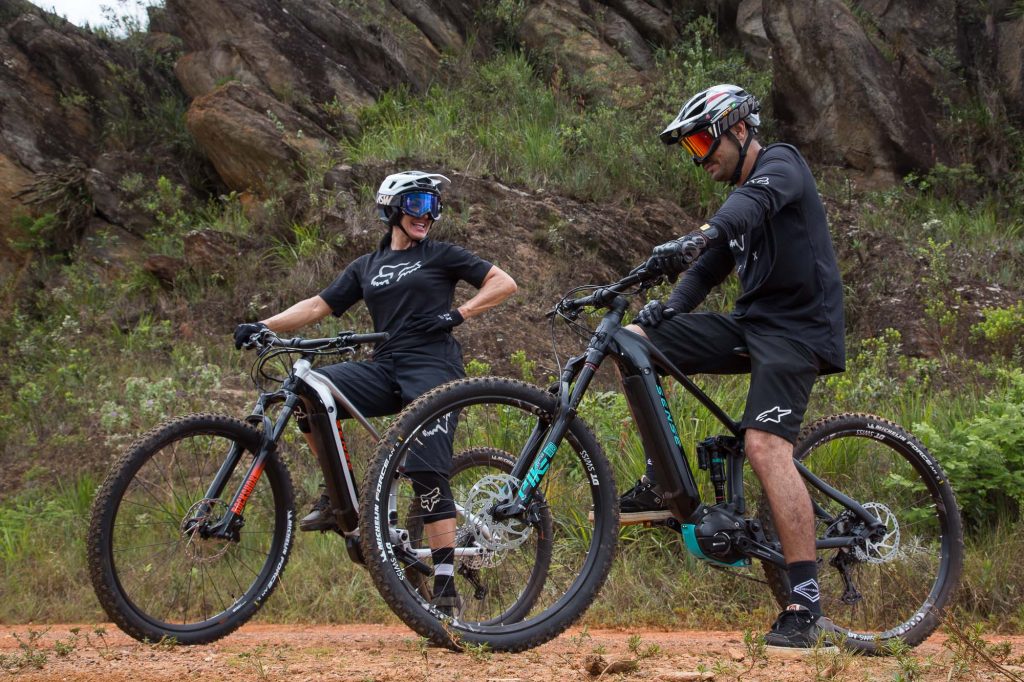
[642, 504]
[320, 518]
[798, 628]
[448, 604]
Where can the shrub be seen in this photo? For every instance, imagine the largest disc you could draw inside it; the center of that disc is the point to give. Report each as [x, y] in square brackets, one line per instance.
[984, 456]
[1002, 327]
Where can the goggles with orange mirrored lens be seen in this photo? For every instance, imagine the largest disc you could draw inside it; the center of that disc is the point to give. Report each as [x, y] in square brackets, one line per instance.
[700, 145]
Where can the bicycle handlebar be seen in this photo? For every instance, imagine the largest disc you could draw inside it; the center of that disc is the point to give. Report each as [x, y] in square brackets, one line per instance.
[646, 273]
[267, 339]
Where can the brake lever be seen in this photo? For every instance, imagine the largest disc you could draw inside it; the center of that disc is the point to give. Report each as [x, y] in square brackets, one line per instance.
[260, 341]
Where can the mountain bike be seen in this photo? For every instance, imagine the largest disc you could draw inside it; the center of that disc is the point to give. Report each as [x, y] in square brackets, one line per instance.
[193, 526]
[888, 531]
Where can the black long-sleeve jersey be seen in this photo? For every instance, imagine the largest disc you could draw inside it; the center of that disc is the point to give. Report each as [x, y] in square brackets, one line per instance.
[779, 244]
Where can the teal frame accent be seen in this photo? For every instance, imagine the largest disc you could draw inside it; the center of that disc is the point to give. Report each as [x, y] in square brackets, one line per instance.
[689, 532]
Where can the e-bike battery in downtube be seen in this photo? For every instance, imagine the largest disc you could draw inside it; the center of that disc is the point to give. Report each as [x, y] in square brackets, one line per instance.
[322, 412]
[657, 429]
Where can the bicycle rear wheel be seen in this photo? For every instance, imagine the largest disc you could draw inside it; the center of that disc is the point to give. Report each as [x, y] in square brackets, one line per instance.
[539, 571]
[154, 573]
[492, 590]
[899, 585]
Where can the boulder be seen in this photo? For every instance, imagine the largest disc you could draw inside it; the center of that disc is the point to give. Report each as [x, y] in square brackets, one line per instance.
[203, 71]
[164, 268]
[1010, 64]
[752, 35]
[621, 34]
[207, 251]
[325, 60]
[652, 22]
[252, 139]
[440, 28]
[845, 98]
[563, 34]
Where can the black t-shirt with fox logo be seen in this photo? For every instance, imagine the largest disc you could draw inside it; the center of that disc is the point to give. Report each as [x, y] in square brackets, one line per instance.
[399, 285]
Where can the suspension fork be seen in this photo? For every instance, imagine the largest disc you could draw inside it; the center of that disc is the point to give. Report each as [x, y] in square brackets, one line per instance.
[229, 524]
[533, 461]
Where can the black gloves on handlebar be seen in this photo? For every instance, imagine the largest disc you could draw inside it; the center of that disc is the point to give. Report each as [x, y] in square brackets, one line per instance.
[245, 331]
[652, 314]
[428, 324]
[673, 257]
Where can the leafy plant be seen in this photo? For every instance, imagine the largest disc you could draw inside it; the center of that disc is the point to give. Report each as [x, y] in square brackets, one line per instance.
[984, 455]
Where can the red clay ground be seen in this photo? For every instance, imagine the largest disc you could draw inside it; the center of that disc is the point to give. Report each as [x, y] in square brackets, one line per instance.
[359, 653]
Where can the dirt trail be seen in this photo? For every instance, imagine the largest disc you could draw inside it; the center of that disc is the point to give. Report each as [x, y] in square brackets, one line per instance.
[370, 652]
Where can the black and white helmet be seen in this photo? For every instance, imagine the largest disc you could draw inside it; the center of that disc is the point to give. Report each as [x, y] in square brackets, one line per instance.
[413, 182]
[718, 108]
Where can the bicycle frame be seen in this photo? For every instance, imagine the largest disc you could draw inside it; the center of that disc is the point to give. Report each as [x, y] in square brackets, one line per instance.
[641, 365]
[319, 398]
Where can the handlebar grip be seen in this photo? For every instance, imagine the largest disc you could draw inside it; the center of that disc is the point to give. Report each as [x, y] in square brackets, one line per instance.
[357, 339]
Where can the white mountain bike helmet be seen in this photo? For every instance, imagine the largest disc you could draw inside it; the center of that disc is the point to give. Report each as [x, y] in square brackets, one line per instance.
[413, 192]
[708, 116]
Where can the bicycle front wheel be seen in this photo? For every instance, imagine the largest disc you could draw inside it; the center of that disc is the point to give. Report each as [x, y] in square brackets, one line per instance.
[522, 580]
[898, 584]
[155, 571]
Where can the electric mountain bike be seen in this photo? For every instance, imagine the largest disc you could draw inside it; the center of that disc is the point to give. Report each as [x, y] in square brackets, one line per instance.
[193, 526]
[888, 530]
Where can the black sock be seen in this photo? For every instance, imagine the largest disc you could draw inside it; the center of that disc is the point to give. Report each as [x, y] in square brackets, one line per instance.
[444, 571]
[803, 579]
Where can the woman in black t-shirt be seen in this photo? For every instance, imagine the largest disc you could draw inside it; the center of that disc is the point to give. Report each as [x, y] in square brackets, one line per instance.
[408, 285]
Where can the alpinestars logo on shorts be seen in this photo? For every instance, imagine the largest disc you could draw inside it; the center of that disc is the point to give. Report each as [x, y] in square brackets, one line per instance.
[808, 590]
[774, 415]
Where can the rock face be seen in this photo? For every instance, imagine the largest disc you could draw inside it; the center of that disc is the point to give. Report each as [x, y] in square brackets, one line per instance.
[841, 96]
[270, 84]
[251, 138]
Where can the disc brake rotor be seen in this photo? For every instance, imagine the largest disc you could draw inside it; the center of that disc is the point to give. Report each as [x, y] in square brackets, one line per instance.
[888, 547]
[494, 535]
[201, 514]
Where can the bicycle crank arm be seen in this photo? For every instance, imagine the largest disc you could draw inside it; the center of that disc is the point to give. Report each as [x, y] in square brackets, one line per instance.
[760, 551]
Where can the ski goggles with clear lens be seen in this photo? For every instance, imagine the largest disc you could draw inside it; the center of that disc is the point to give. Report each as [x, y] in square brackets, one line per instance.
[419, 204]
[700, 144]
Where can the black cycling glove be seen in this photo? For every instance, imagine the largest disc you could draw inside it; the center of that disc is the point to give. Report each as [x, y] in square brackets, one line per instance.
[675, 256]
[244, 332]
[428, 324]
[652, 314]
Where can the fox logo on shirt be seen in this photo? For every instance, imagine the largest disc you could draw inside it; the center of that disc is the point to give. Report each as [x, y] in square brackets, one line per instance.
[392, 273]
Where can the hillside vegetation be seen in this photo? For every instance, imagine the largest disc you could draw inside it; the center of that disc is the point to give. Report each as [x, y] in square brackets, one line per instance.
[547, 172]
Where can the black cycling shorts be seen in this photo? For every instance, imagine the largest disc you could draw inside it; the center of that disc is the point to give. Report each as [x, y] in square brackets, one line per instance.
[782, 371]
[384, 385]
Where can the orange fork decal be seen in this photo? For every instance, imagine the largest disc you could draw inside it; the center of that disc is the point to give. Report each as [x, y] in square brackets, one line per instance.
[344, 445]
[247, 489]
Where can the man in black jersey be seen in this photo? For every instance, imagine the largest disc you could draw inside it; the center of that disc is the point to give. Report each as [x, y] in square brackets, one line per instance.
[787, 321]
[408, 285]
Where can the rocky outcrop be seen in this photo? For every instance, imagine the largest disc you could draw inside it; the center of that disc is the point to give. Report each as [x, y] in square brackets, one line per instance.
[271, 84]
[253, 140]
[569, 40]
[311, 55]
[842, 97]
